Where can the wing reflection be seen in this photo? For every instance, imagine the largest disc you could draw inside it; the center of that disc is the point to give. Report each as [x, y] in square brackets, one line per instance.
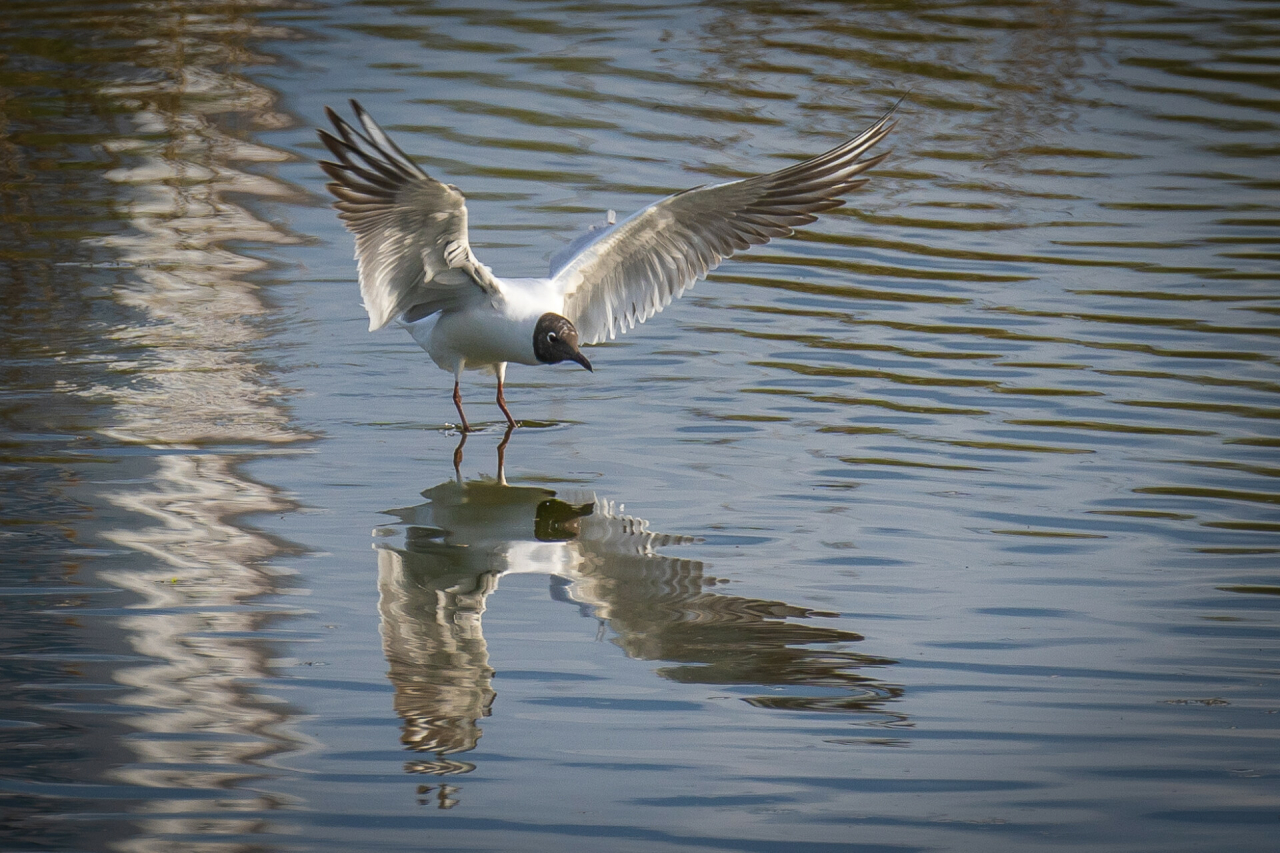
[434, 587]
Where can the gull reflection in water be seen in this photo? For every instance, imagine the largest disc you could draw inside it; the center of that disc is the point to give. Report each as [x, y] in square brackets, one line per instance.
[434, 586]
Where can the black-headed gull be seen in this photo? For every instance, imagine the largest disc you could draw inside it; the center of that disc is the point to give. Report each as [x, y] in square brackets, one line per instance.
[417, 268]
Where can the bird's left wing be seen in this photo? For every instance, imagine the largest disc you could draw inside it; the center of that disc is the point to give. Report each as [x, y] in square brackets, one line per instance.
[410, 229]
[632, 270]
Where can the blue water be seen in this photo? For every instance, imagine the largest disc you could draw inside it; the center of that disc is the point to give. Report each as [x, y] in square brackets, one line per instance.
[948, 524]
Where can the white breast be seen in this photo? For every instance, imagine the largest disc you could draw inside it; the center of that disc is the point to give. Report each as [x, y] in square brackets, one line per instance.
[482, 335]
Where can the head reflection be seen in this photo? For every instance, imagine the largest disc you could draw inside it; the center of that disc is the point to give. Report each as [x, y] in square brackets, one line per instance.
[434, 587]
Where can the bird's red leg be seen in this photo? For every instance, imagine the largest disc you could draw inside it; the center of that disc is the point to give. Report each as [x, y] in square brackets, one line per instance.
[502, 401]
[457, 402]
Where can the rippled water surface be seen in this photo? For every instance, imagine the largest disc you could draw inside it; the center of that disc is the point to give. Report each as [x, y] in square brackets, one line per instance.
[949, 524]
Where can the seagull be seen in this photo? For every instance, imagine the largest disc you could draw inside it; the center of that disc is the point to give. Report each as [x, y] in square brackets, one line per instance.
[417, 269]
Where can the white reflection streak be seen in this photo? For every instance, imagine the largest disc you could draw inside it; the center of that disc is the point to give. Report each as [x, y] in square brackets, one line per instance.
[195, 384]
[200, 387]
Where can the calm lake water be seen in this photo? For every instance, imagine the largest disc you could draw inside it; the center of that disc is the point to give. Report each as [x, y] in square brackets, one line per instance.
[949, 524]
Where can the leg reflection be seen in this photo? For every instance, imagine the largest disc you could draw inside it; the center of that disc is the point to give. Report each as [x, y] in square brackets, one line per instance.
[502, 455]
[457, 456]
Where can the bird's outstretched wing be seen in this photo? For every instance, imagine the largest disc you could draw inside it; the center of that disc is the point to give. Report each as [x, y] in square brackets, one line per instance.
[633, 270]
[410, 229]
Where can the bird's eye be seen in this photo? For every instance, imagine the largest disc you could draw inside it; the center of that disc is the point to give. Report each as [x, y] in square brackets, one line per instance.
[551, 337]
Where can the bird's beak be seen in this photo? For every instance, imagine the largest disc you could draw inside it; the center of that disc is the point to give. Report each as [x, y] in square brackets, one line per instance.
[581, 359]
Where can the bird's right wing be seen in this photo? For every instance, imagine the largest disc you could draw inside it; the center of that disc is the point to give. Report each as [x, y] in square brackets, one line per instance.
[410, 229]
[628, 272]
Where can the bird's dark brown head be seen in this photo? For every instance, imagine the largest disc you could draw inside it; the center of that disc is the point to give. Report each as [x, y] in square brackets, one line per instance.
[556, 340]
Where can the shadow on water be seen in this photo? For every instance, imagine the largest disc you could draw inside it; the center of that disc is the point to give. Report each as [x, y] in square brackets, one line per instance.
[457, 546]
